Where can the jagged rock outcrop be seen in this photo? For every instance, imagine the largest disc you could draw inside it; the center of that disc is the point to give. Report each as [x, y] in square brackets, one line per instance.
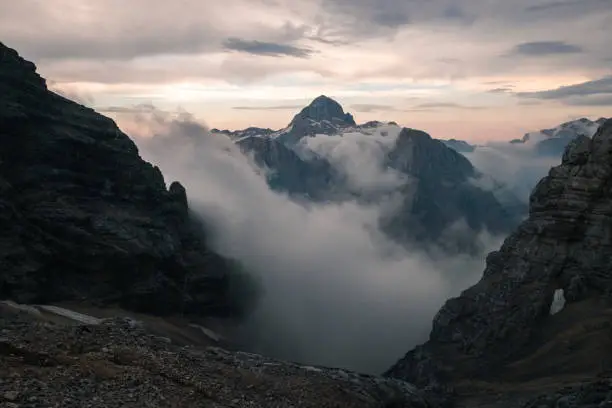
[501, 329]
[83, 216]
[120, 363]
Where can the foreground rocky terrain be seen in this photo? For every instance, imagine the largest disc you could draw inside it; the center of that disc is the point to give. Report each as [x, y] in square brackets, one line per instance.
[54, 357]
[501, 335]
[117, 362]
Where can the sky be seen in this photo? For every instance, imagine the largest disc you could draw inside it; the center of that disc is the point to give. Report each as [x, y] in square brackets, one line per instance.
[471, 69]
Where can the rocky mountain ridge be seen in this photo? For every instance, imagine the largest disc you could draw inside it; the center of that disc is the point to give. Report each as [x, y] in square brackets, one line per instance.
[501, 330]
[460, 146]
[552, 142]
[443, 193]
[83, 216]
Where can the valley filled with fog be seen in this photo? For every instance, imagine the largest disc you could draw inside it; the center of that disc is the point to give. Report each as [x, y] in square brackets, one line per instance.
[336, 290]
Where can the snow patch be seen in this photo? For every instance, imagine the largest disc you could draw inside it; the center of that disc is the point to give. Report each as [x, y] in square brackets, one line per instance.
[24, 308]
[558, 302]
[207, 332]
[242, 138]
[313, 369]
[77, 317]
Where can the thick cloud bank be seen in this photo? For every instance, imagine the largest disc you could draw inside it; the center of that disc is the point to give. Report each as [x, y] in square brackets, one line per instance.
[517, 166]
[336, 292]
[360, 157]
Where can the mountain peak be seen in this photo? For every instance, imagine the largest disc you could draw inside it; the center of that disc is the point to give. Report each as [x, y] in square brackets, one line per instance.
[322, 98]
[324, 108]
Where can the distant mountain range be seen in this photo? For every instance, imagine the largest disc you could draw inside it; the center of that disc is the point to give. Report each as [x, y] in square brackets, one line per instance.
[546, 142]
[439, 186]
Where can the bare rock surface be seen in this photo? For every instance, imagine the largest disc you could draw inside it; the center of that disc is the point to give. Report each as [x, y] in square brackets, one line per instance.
[83, 216]
[119, 363]
[501, 331]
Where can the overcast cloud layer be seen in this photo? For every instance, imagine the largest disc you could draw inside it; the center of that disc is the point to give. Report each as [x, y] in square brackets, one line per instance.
[336, 291]
[210, 56]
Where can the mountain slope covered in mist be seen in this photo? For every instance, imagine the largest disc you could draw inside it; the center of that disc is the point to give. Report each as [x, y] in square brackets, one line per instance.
[518, 166]
[334, 283]
[552, 141]
[429, 188]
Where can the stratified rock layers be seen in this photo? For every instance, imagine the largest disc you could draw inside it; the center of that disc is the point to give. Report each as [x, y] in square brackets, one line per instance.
[84, 217]
[501, 328]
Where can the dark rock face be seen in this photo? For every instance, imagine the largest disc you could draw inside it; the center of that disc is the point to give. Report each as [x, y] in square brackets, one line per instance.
[313, 179]
[441, 192]
[324, 108]
[501, 329]
[83, 216]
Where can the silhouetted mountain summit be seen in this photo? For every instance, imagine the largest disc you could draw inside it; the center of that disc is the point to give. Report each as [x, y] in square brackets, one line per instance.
[323, 108]
[322, 116]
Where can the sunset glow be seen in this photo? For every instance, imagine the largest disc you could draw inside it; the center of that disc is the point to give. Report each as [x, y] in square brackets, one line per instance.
[450, 68]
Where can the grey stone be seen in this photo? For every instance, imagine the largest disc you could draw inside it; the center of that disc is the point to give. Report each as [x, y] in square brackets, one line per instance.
[10, 395]
[564, 244]
[145, 371]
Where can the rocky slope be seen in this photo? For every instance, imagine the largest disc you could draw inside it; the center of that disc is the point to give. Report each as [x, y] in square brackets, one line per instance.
[313, 179]
[499, 336]
[83, 216]
[442, 193]
[117, 362]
